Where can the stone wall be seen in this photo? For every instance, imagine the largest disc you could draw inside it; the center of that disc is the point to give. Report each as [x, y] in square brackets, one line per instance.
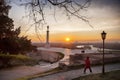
[45, 56]
[95, 58]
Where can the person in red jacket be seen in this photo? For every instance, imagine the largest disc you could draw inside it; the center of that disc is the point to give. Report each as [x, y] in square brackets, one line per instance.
[87, 65]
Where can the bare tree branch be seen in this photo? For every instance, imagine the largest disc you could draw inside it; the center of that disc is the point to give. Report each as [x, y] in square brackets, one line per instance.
[57, 2]
[37, 9]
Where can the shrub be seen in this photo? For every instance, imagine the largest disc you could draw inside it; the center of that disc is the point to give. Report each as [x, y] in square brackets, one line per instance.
[15, 60]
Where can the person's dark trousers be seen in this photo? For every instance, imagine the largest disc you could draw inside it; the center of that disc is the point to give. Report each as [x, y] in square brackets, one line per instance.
[88, 68]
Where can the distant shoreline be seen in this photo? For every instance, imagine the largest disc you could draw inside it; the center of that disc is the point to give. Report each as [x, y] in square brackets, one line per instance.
[114, 46]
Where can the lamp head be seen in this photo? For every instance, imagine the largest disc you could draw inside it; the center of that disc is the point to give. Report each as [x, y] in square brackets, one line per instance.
[103, 35]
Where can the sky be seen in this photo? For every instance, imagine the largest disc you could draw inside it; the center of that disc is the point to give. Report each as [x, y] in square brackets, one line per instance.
[102, 15]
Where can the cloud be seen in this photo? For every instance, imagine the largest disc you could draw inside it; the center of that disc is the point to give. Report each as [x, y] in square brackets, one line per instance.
[113, 4]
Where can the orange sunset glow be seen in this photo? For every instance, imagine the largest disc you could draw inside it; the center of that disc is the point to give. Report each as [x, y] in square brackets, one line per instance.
[108, 20]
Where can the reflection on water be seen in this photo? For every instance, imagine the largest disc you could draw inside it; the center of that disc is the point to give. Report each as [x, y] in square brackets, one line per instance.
[66, 52]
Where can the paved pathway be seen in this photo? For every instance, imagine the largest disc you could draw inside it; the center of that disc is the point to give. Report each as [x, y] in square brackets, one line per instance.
[22, 71]
[76, 73]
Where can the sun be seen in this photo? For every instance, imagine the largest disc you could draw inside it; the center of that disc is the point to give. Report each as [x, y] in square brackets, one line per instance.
[67, 39]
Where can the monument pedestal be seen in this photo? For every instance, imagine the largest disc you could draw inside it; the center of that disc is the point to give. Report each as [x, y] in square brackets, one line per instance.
[47, 45]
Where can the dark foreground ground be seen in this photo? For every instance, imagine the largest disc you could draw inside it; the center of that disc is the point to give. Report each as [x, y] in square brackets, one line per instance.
[113, 75]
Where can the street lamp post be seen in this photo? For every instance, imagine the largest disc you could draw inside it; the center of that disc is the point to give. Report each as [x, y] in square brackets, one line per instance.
[103, 35]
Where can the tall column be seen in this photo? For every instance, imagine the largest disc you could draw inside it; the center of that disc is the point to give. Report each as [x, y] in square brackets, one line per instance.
[47, 38]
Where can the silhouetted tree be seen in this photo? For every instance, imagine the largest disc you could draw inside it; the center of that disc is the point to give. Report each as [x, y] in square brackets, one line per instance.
[6, 24]
[10, 42]
[25, 44]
